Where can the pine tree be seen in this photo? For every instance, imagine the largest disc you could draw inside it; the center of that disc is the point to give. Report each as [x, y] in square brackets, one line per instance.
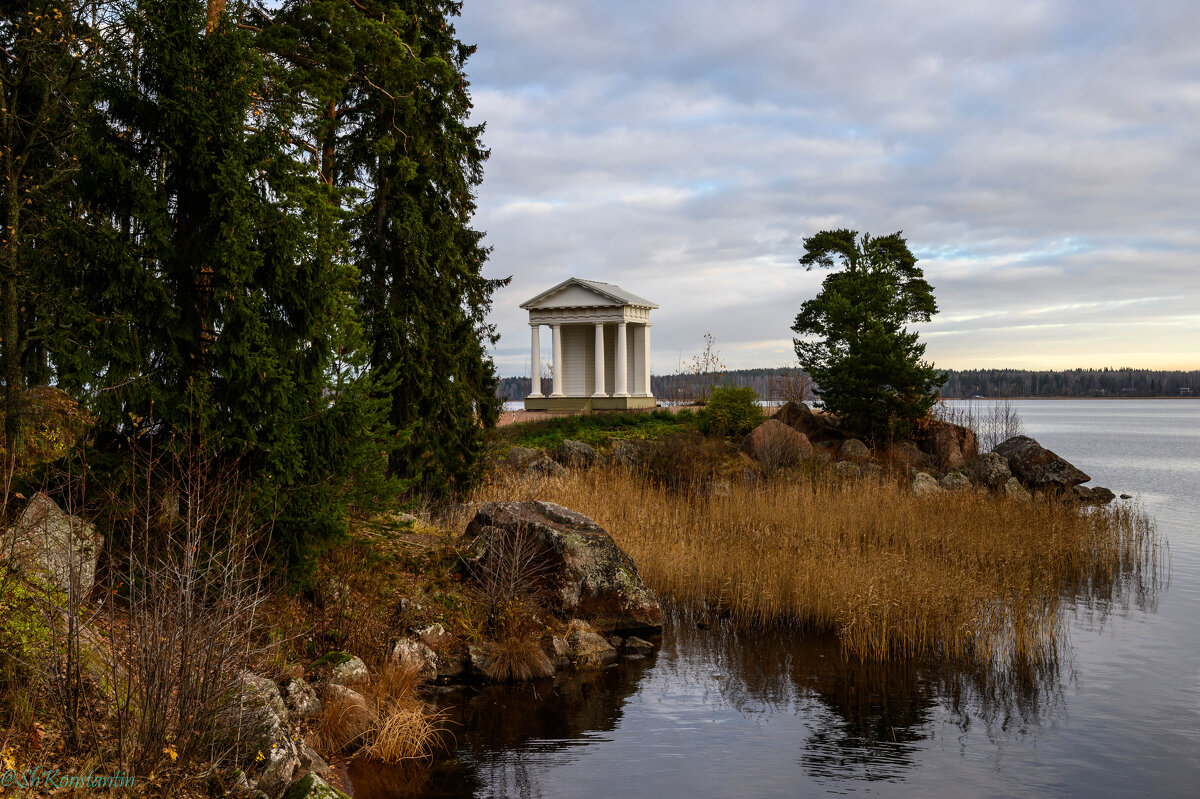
[866, 364]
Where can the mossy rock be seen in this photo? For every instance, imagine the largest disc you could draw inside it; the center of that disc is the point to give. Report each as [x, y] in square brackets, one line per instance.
[310, 786]
[329, 660]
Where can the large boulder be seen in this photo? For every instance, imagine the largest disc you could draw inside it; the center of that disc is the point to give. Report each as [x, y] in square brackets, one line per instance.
[951, 445]
[992, 470]
[63, 548]
[519, 457]
[569, 559]
[816, 427]
[629, 453]
[1014, 490]
[954, 481]
[855, 450]
[415, 654]
[774, 443]
[924, 485]
[545, 467]
[577, 455]
[301, 699]
[265, 749]
[341, 668]
[907, 455]
[1037, 467]
[799, 416]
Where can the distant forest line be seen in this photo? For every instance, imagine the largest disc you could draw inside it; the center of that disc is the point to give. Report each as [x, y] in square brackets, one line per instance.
[780, 383]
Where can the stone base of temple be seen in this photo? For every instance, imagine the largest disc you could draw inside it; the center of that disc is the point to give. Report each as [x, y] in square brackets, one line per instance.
[579, 404]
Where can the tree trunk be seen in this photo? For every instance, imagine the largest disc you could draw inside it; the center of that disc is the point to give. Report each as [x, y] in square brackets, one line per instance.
[10, 327]
[215, 9]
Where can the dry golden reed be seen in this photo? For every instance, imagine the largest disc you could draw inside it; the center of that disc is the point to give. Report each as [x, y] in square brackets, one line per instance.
[961, 575]
[387, 720]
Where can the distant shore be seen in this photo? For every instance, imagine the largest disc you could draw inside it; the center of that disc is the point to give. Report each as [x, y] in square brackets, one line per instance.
[1126, 399]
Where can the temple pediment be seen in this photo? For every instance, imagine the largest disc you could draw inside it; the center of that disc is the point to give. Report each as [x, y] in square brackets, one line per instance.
[578, 293]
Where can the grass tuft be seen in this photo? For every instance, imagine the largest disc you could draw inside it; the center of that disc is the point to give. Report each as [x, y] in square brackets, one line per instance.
[515, 658]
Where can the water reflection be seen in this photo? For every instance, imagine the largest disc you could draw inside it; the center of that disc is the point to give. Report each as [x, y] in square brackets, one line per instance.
[866, 719]
[493, 727]
[860, 720]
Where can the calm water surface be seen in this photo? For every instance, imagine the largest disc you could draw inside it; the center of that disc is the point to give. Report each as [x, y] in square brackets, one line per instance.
[722, 714]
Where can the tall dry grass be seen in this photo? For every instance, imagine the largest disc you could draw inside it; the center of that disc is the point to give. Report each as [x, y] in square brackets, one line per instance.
[385, 718]
[963, 575]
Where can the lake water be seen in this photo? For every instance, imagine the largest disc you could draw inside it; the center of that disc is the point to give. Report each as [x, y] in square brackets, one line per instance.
[718, 713]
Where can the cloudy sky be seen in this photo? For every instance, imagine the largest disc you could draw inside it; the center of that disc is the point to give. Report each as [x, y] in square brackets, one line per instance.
[1042, 159]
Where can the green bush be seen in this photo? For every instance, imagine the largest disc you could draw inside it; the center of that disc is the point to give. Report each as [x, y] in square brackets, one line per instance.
[731, 412]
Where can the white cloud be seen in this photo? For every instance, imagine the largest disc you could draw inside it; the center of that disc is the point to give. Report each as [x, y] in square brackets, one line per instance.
[1040, 157]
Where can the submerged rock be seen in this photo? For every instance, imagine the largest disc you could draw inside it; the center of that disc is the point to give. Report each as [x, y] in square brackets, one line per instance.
[638, 646]
[569, 557]
[1098, 495]
[1037, 467]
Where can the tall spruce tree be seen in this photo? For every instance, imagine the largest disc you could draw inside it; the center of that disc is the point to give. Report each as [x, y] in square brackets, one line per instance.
[44, 54]
[867, 365]
[391, 122]
[423, 295]
[216, 308]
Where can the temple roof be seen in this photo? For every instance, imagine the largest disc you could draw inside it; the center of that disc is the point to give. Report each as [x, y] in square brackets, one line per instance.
[578, 293]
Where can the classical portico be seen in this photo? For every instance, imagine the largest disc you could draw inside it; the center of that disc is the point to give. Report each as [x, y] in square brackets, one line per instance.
[600, 337]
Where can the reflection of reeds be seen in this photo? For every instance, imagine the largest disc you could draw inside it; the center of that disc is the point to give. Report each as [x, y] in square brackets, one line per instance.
[962, 575]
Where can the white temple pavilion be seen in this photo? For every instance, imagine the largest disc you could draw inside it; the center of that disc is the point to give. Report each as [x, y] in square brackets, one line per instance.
[601, 336]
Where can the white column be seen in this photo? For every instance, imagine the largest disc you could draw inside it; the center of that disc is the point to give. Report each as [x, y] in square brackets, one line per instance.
[535, 358]
[622, 366]
[599, 392]
[558, 361]
[646, 360]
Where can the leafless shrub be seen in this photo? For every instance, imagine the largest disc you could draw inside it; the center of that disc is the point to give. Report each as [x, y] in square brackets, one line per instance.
[184, 599]
[992, 421]
[790, 385]
[509, 573]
